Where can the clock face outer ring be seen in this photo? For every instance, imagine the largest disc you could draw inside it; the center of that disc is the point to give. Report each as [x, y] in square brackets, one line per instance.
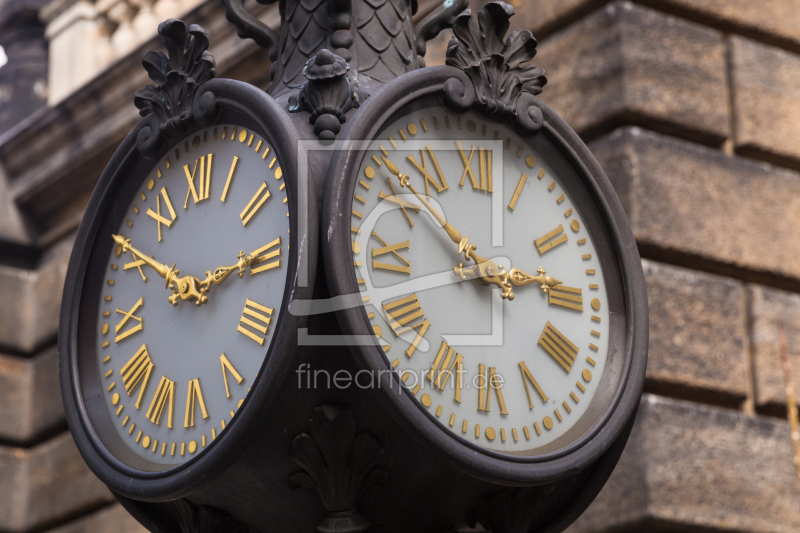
[454, 88]
[240, 102]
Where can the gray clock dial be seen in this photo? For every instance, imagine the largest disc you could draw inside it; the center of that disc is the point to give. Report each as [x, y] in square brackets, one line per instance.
[194, 288]
[481, 280]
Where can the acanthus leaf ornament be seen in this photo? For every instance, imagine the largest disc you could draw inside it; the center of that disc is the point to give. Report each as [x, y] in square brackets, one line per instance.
[330, 92]
[167, 106]
[340, 464]
[504, 86]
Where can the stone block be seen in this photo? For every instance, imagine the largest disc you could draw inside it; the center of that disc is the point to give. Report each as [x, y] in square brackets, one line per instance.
[695, 204]
[690, 467]
[113, 519]
[626, 64]
[776, 21]
[766, 102]
[698, 333]
[45, 484]
[769, 310]
[30, 396]
[32, 300]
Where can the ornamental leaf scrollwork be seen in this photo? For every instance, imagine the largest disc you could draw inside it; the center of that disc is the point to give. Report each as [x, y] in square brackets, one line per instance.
[167, 106]
[339, 464]
[504, 81]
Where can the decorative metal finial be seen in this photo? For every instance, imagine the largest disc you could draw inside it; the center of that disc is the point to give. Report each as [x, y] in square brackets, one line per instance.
[330, 92]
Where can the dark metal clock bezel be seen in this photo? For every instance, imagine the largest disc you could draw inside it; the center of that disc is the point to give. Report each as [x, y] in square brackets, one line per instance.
[229, 101]
[455, 90]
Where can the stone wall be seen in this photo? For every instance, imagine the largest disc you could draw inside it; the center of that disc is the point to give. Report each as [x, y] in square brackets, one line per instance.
[693, 109]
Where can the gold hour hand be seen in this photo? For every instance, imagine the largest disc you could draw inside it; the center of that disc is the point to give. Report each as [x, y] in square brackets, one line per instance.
[222, 273]
[404, 182]
[488, 272]
[518, 278]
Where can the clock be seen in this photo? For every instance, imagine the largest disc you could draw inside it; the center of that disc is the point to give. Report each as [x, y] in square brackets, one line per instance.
[175, 334]
[495, 273]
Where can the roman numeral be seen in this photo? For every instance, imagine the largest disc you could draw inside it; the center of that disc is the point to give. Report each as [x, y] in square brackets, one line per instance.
[264, 320]
[568, 297]
[157, 215]
[527, 376]
[228, 367]
[201, 192]
[513, 203]
[404, 311]
[264, 254]
[448, 363]
[484, 168]
[558, 346]
[423, 168]
[138, 263]
[550, 240]
[394, 250]
[488, 381]
[128, 315]
[164, 396]
[255, 204]
[230, 177]
[136, 372]
[194, 393]
[402, 203]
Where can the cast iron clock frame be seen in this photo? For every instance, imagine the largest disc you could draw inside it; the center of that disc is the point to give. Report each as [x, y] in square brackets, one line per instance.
[216, 101]
[451, 87]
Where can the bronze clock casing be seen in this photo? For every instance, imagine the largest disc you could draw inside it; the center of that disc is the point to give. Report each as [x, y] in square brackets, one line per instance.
[217, 101]
[627, 360]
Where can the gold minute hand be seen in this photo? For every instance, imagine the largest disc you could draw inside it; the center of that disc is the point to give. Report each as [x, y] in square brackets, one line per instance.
[162, 269]
[485, 271]
[404, 182]
[186, 288]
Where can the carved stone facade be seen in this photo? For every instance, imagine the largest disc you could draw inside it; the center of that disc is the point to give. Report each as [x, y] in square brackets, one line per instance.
[691, 107]
[86, 37]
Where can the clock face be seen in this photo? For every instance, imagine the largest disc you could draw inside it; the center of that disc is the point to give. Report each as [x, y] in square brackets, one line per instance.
[192, 292]
[496, 315]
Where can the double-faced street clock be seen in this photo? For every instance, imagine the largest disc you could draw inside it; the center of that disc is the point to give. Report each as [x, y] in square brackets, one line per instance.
[473, 352]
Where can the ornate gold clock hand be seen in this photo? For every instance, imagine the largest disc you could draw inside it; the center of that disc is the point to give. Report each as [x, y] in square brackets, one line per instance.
[222, 273]
[515, 277]
[162, 269]
[185, 288]
[518, 278]
[404, 182]
[485, 271]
